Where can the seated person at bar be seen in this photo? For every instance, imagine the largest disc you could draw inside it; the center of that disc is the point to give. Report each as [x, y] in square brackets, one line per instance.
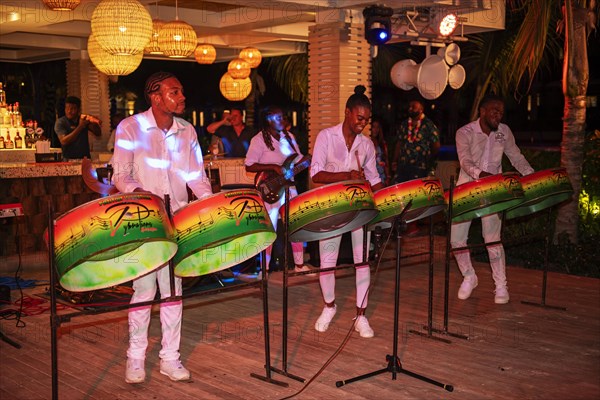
[233, 132]
[343, 153]
[72, 130]
[268, 151]
[158, 152]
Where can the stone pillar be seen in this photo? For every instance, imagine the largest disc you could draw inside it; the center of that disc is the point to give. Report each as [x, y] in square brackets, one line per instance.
[91, 86]
[339, 58]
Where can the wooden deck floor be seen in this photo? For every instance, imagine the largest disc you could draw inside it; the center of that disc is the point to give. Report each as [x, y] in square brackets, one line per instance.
[514, 350]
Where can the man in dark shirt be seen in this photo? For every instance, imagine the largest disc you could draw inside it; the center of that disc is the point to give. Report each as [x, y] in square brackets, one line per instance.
[72, 130]
[234, 134]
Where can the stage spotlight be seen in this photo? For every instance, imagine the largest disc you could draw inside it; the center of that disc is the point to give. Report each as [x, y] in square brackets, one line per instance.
[447, 24]
[378, 24]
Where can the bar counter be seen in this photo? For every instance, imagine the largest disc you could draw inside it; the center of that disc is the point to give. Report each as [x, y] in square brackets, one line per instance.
[35, 185]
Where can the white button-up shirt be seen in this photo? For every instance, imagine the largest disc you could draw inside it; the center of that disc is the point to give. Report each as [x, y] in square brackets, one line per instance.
[479, 152]
[331, 155]
[160, 162]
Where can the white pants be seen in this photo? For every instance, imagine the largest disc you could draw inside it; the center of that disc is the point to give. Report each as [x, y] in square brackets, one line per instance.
[273, 211]
[329, 250]
[491, 226]
[170, 316]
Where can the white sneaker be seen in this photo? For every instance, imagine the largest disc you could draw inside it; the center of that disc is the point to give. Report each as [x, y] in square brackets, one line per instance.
[174, 370]
[134, 371]
[361, 325]
[466, 288]
[303, 268]
[501, 295]
[325, 318]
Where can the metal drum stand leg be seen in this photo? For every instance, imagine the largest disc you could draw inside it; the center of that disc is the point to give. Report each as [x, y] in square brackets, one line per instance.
[284, 330]
[545, 272]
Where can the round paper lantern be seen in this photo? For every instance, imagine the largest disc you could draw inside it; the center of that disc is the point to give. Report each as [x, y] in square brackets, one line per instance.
[153, 47]
[205, 54]
[177, 39]
[252, 56]
[238, 68]
[110, 64]
[121, 27]
[235, 89]
[61, 5]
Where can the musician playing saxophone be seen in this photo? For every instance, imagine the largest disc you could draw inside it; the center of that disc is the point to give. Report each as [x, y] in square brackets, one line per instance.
[268, 152]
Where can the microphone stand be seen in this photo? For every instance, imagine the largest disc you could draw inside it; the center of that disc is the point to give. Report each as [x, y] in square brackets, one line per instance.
[394, 365]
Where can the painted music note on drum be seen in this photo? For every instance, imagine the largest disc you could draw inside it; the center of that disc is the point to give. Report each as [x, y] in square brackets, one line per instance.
[427, 197]
[330, 210]
[488, 195]
[112, 240]
[220, 231]
[542, 189]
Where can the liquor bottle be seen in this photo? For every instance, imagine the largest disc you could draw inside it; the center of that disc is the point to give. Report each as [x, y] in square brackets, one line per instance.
[2, 96]
[1, 141]
[9, 143]
[18, 141]
[28, 139]
[18, 120]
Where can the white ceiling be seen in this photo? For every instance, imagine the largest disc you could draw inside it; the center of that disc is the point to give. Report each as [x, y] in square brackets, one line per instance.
[29, 32]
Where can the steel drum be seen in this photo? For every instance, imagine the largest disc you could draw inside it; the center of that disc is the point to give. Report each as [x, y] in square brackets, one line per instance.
[112, 240]
[220, 231]
[330, 210]
[427, 197]
[488, 195]
[542, 189]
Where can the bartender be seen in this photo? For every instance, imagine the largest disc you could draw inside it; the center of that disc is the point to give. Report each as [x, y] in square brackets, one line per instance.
[72, 130]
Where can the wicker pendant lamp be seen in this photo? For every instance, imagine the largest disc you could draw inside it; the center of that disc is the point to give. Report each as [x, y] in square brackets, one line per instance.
[252, 56]
[112, 64]
[61, 5]
[205, 54]
[177, 39]
[235, 89]
[238, 68]
[121, 27]
[152, 47]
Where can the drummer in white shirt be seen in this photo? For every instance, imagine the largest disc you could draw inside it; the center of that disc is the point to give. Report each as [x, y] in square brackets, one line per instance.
[342, 153]
[480, 146]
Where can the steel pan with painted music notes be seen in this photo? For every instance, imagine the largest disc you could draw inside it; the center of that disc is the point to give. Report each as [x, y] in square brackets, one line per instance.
[112, 240]
[330, 210]
[220, 231]
[427, 197]
[542, 189]
[484, 196]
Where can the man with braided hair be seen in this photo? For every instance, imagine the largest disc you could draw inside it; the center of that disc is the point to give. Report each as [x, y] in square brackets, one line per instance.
[158, 152]
[268, 151]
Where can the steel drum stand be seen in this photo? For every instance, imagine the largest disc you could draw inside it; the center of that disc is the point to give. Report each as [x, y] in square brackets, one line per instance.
[429, 326]
[265, 299]
[545, 271]
[394, 365]
[284, 329]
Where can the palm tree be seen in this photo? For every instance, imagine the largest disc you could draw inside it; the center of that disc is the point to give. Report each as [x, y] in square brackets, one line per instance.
[524, 57]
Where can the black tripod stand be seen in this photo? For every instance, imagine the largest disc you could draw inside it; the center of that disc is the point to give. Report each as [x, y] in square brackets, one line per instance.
[394, 365]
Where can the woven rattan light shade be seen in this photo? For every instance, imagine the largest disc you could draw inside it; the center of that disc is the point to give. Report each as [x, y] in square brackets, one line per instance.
[121, 27]
[252, 56]
[205, 54]
[153, 47]
[177, 39]
[61, 5]
[235, 89]
[112, 64]
[238, 68]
